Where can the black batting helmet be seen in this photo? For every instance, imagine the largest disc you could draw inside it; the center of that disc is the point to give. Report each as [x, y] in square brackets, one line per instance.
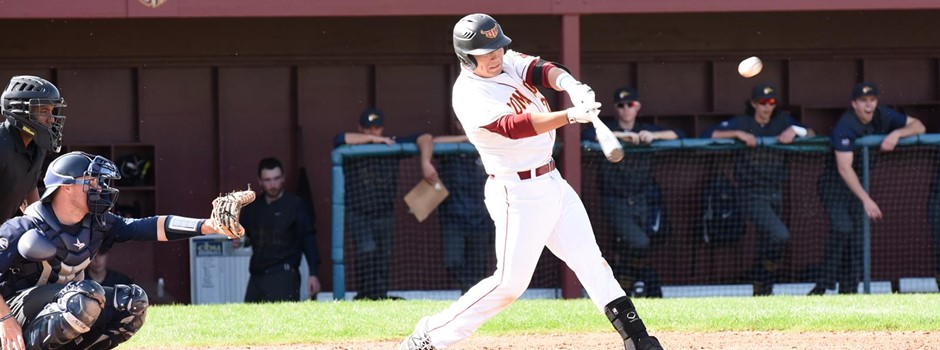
[26, 91]
[477, 34]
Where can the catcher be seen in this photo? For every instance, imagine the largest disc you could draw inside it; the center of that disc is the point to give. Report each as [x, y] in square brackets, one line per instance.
[46, 301]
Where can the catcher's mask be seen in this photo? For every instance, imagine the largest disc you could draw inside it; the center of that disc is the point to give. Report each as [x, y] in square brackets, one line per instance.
[477, 34]
[95, 173]
[22, 97]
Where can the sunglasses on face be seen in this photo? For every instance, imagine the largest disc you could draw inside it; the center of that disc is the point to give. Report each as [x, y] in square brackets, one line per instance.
[767, 101]
[630, 104]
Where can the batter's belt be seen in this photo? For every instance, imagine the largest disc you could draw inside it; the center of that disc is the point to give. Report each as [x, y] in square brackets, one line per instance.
[542, 170]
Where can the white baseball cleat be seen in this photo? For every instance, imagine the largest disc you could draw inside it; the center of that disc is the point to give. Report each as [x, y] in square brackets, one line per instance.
[419, 339]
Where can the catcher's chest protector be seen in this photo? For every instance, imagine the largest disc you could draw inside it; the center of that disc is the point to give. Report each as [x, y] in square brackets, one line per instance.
[60, 256]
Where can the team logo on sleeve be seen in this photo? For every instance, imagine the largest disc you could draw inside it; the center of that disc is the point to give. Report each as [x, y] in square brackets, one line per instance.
[491, 33]
[4, 243]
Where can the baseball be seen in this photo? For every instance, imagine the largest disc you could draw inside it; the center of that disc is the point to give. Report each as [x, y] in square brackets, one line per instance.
[750, 67]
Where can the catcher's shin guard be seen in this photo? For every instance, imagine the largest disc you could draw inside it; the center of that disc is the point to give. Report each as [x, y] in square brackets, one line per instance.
[622, 314]
[75, 310]
[130, 304]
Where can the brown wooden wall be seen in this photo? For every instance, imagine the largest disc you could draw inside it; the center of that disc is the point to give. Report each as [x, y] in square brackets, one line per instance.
[216, 95]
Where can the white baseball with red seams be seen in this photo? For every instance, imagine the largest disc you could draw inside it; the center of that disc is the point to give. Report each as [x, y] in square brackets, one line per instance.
[529, 214]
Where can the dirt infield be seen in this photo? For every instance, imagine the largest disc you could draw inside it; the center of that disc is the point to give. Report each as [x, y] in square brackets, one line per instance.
[670, 340]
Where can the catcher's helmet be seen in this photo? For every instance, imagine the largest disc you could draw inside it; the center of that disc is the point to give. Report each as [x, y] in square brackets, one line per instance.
[26, 91]
[71, 167]
[477, 34]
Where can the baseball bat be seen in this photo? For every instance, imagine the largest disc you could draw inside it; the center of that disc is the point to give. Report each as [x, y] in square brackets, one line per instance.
[610, 144]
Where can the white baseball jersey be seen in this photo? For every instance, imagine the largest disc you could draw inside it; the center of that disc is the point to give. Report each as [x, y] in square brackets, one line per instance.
[529, 214]
[481, 101]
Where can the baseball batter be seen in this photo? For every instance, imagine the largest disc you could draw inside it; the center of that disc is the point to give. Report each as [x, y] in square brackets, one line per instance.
[513, 128]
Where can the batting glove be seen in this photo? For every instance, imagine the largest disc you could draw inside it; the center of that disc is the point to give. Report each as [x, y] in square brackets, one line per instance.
[581, 93]
[584, 112]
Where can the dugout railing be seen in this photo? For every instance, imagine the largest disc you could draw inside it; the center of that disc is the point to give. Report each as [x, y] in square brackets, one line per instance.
[900, 246]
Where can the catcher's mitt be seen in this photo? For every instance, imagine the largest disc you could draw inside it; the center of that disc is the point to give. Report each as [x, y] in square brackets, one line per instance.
[226, 209]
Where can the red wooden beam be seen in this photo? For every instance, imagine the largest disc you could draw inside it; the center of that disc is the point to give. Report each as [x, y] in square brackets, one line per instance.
[571, 134]
[58, 9]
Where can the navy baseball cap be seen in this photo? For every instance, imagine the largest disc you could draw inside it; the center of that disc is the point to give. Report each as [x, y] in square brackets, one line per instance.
[626, 94]
[764, 91]
[371, 117]
[864, 89]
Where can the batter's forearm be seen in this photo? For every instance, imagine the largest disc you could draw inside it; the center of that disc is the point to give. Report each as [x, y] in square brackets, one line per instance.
[545, 122]
[553, 75]
[517, 126]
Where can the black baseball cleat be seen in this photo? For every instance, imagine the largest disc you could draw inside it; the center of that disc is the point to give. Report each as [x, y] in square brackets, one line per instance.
[817, 290]
[648, 343]
[763, 289]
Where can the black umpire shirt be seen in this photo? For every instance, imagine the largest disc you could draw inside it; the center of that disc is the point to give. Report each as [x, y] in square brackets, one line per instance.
[278, 232]
[20, 168]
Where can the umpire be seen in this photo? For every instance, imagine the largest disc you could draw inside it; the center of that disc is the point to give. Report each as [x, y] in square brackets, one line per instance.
[279, 227]
[32, 127]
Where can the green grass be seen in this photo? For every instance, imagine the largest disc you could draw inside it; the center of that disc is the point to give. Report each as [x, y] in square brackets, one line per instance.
[310, 322]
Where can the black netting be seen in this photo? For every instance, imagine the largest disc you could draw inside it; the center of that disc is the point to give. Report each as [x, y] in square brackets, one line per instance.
[694, 219]
[738, 221]
[386, 248]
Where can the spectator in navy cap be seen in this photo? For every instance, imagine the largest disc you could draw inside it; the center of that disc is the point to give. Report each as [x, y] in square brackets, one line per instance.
[629, 199]
[842, 193]
[760, 175]
[372, 183]
[371, 118]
